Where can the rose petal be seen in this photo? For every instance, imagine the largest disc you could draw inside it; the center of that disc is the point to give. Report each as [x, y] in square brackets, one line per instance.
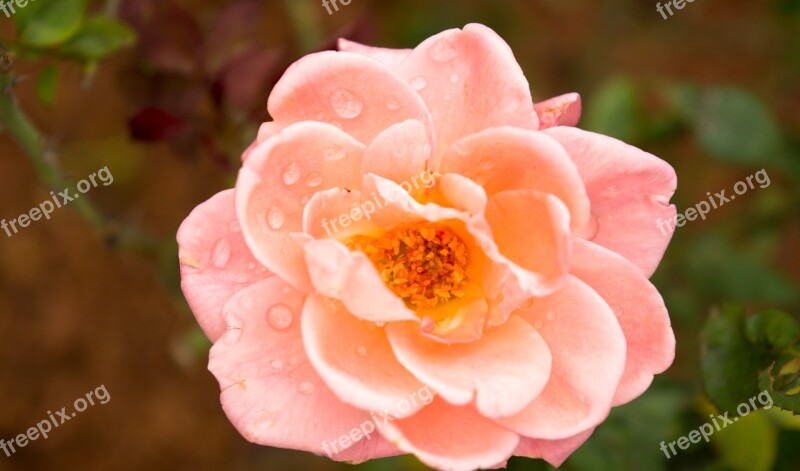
[275, 181]
[639, 309]
[502, 372]
[470, 81]
[554, 452]
[400, 153]
[389, 57]
[362, 371]
[356, 93]
[564, 110]
[448, 437]
[215, 261]
[629, 190]
[588, 350]
[270, 392]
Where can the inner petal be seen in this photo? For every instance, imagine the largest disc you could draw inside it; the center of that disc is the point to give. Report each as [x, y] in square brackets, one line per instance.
[423, 263]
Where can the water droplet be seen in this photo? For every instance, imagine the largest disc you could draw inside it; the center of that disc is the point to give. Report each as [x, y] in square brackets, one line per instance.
[427, 325]
[551, 315]
[448, 97]
[362, 351]
[279, 317]
[275, 218]
[346, 105]
[291, 173]
[335, 153]
[221, 253]
[233, 335]
[314, 179]
[286, 290]
[234, 227]
[320, 116]
[418, 83]
[277, 365]
[537, 325]
[251, 266]
[454, 78]
[392, 103]
[486, 164]
[306, 388]
[304, 199]
[443, 50]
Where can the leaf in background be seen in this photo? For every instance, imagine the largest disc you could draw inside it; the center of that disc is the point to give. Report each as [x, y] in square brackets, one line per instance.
[47, 23]
[46, 86]
[98, 37]
[614, 110]
[735, 126]
[782, 381]
[748, 445]
[773, 329]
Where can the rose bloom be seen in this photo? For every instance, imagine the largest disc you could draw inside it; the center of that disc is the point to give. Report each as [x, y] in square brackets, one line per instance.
[417, 259]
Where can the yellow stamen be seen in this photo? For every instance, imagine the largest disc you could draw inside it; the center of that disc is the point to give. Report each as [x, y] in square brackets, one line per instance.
[424, 264]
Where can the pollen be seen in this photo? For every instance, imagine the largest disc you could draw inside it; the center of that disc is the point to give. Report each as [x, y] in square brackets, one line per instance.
[422, 263]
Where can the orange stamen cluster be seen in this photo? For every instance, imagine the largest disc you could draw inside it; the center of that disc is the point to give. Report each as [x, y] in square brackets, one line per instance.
[422, 263]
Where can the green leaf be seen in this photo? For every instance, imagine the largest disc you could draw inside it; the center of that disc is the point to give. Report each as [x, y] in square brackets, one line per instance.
[773, 328]
[614, 110]
[47, 23]
[735, 126]
[780, 380]
[98, 37]
[748, 445]
[46, 86]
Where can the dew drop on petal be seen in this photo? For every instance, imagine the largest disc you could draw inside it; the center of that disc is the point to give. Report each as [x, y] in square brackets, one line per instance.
[306, 388]
[304, 199]
[246, 301]
[392, 103]
[286, 290]
[275, 218]
[279, 317]
[314, 179]
[418, 83]
[443, 50]
[221, 253]
[346, 105]
[291, 174]
[537, 325]
[454, 78]
[334, 153]
[486, 164]
[234, 227]
[277, 364]
[550, 315]
[361, 350]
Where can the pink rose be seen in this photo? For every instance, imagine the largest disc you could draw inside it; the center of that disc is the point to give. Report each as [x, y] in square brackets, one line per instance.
[416, 259]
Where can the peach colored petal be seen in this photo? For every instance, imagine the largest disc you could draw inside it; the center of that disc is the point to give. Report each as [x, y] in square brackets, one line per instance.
[501, 372]
[639, 309]
[588, 350]
[276, 180]
[463, 194]
[215, 261]
[505, 158]
[470, 81]
[453, 438]
[554, 452]
[531, 229]
[360, 367]
[324, 215]
[389, 57]
[348, 90]
[348, 276]
[270, 391]
[400, 153]
[564, 110]
[629, 190]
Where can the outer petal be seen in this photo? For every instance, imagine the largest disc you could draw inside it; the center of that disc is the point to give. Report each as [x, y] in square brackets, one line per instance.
[270, 392]
[452, 438]
[215, 261]
[629, 190]
[564, 110]
[640, 311]
[505, 158]
[389, 57]
[554, 452]
[502, 371]
[588, 350]
[275, 182]
[362, 370]
[470, 81]
[351, 91]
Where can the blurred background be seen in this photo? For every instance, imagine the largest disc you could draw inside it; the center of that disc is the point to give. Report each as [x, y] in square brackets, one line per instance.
[168, 93]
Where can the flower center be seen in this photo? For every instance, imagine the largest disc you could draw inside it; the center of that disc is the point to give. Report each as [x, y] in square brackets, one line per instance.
[424, 264]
